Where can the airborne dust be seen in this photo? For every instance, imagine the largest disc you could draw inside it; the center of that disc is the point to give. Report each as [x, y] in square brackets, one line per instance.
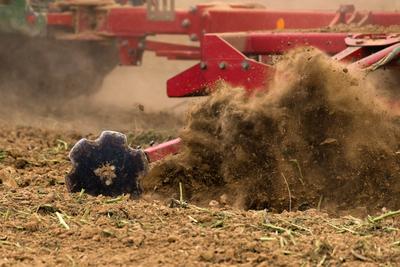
[323, 136]
[56, 84]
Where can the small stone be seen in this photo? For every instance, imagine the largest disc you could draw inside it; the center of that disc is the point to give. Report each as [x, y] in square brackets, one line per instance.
[213, 204]
[252, 246]
[230, 253]
[129, 241]
[96, 238]
[138, 238]
[107, 233]
[86, 232]
[50, 197]
[21, 163]
[8, 177]
[207, 255]
[172, 239]
[32, 226]
[135, 238]
[223, 199]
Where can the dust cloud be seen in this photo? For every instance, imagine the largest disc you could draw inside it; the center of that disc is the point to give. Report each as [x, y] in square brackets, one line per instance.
[51, 84]
[322, 136]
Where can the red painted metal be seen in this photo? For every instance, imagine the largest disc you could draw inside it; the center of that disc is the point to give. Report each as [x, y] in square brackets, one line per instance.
[384, 18]
[31, 18]
[173, 51]
[129, 54]
[131, 25]
[65, 19]
[133, 21]
[230, 56]
[225, 20]
[220, 62]
[129, 22]
[131, 50]
[265, 43]
[350, 54]
[179, 54]
[380, 39]
[223, 57]
[376, 57]
[162, 150]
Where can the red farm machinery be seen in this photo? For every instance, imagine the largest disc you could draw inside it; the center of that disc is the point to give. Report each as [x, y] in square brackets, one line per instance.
[233, 41]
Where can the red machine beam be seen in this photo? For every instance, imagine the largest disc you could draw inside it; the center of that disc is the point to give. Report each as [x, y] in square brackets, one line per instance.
[162, 150]
[391, 53]
[222, 57]
[350, 54]
[226, 20]
[128, 22]
[214, 18]
[384, 18]
[133, 21]
[220, 61]
[65, 19]
[265, 43]
[131, 25]
[173, 51]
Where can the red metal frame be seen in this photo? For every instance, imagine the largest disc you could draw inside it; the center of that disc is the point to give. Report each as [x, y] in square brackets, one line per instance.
[228, 56]
[223, 57]
[65, 19]
[374, 58]
[222, 18]
[162, 150]
[131, 25]
[220, 61]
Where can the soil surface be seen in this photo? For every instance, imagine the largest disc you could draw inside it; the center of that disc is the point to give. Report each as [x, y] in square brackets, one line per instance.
[42, 224]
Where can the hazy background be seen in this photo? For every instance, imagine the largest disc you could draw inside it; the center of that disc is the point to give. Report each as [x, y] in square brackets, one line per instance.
[146, 84]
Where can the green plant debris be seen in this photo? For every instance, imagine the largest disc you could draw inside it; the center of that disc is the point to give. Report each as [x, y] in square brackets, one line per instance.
[3, 154]
[297, 164]
[61, 145]
[383, 216]
[114, 200]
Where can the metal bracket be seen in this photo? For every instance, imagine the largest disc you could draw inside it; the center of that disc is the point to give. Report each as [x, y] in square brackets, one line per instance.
[161, 10]
[377, 39]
